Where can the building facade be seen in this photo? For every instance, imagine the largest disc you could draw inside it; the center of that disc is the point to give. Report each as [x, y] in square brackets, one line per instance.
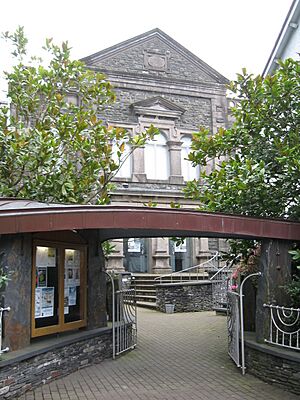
[287, 43]
[159, 82]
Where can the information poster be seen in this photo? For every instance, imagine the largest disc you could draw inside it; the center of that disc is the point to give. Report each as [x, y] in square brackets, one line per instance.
[72, 268]
[38, 303]
[66, 301]
[44, 302]
[45, 256]
[41, 276]
[134, 245]
[180, 248]
[72, 295]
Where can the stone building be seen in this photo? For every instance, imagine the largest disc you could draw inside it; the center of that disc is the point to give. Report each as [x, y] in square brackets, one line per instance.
[157, 81]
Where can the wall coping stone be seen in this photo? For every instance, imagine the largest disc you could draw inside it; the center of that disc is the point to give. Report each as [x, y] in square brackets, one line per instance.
[190, 283]
[280, 352]
[49, 344]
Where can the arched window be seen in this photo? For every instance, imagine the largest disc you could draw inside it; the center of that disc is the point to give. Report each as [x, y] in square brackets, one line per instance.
[126, 160]
[157, 158]
[188, 171]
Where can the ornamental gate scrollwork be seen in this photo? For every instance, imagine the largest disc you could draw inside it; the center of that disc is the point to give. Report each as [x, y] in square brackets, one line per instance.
[233, 326]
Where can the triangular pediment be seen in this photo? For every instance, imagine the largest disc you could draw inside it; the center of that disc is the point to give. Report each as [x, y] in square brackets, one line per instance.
[157, 106]
[154, 53]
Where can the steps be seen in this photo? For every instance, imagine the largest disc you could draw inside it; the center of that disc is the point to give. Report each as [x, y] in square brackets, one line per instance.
[144, 285]
[145, 290]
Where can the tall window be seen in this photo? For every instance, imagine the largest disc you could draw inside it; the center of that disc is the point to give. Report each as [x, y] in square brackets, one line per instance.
[126, 168]
[188, 171]
[157, 158]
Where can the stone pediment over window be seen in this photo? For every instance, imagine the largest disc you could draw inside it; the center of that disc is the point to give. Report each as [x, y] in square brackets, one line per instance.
[158, 107]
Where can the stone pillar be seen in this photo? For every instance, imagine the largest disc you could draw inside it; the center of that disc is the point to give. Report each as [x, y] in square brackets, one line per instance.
[275, 265]
[161, 256]
[202, 250]
[96, 294]
[114, 261]
[175, 161]
[138, 165]
[17, 257]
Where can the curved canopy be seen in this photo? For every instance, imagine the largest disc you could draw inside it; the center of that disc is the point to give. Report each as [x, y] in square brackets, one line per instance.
[20, 216]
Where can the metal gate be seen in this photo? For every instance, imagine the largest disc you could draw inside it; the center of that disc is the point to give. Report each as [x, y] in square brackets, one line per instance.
[124, 313]
[233, 326]
[124, 321]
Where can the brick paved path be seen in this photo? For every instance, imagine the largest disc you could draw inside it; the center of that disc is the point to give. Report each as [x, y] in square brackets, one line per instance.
[179, 357]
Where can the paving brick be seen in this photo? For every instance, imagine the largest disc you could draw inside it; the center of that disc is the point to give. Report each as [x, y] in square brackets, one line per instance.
[178, 357]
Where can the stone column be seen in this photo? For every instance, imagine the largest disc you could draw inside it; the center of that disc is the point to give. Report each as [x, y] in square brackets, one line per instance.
[175, 161]
[275, 265]
[17, 258]
[96, 280]
[138, 165]
[160, 255]
[202, 250]
[114, 261]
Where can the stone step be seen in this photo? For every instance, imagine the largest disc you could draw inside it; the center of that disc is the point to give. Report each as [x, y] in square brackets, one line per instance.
[146, 292]
[220, 310]
[146, 304]
[139, 296]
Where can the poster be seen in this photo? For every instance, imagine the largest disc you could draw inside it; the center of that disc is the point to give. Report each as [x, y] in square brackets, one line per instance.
[76, 273]
[47, 301]
[180, 248]
[38, 303]
[72, 296]
[70, 277]
[69, 258]
[51, 257]
[66, 300]
[45, 256]
[44, 302]
[134, 245]
[41, 279]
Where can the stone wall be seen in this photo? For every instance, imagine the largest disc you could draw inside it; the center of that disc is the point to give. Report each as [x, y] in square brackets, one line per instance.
[185, 296]
[198, 110]
[274, 365]
[34, 368]
[176, 66]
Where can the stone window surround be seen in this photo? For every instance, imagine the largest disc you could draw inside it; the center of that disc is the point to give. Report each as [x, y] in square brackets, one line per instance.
[174, 146]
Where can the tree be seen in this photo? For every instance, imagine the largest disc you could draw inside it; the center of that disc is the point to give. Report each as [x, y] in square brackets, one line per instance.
[53, 144]
[260, 171]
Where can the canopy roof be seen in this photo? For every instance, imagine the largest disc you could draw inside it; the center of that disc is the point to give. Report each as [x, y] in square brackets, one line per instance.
[21, 216]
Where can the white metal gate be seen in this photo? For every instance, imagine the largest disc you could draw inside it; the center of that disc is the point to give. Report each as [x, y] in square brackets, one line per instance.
[124, 321]
[233, 326]
[124, 313]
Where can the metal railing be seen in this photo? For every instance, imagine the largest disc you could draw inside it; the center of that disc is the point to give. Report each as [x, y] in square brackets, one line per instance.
[284, 326]
[194, 273]
[6, 349]
[220, 284]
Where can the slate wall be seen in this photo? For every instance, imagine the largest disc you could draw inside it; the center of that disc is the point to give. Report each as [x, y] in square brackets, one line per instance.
[185, 296]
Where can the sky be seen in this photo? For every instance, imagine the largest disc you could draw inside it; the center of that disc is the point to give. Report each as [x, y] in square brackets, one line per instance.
[227, 34]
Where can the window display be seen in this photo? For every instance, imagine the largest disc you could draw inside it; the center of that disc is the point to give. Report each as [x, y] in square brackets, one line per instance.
[58, 289]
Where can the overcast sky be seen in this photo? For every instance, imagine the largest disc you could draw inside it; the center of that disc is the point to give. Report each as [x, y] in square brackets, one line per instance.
[226, 34]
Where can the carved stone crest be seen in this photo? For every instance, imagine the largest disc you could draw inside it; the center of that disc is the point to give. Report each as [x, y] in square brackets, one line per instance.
[156, 61]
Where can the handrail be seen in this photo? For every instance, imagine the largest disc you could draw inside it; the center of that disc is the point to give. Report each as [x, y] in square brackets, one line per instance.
[226, 266]
[162, 278]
